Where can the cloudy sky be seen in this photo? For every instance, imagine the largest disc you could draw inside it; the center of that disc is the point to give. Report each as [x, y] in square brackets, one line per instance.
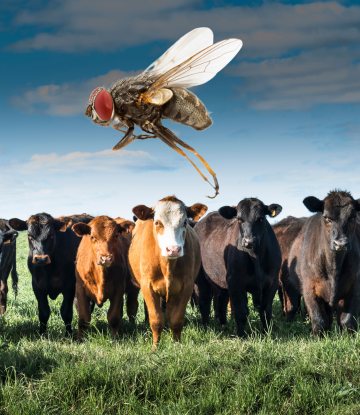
[285, 110]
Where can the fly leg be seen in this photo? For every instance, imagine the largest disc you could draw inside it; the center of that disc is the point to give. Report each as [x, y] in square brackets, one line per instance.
[169, 138]
[128, 137]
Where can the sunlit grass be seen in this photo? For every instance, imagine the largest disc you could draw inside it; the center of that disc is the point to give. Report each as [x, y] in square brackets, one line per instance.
[211, 372]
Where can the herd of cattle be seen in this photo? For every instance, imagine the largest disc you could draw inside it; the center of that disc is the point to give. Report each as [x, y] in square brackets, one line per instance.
[172, 257]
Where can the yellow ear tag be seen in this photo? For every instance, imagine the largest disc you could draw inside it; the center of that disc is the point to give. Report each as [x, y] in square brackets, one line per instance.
[273, 213]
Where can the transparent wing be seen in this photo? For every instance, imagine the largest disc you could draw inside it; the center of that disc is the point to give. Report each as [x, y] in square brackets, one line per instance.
[200, 68]
[187, 46]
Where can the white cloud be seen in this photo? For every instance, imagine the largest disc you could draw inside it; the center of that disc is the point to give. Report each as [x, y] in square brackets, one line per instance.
[324, 76]
[66, 99]
[268, 30]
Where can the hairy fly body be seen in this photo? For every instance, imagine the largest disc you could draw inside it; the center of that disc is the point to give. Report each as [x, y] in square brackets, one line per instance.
[160, 93]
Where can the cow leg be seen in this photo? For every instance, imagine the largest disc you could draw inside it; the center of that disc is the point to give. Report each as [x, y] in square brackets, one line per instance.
[347, 313]
[175, 312]
[66, 310]
[291, 298]
[83, 309]
[203, 292]
[115, 312]
[239, 302]
[221, 300]
[265, 309]
[132, 305]
[3, 295]
[320, 313]
[43, 306]
[156, 315]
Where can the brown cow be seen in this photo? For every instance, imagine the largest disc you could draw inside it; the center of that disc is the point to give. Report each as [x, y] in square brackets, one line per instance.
[164, 259]
[286, 232]
[101, 270]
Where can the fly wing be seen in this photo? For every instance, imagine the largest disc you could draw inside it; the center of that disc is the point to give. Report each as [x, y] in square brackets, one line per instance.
[200, 68]
[187, 46]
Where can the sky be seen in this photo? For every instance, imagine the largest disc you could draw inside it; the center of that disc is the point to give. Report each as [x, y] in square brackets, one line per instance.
[285, 111]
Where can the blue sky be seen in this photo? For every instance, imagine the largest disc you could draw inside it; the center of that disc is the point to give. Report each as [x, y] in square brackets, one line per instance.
[285, 110]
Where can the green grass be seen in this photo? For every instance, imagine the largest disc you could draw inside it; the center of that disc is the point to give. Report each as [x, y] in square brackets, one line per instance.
[211, 372]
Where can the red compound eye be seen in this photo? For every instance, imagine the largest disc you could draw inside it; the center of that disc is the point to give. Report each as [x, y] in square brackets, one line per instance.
[93, 93]
[104, 105]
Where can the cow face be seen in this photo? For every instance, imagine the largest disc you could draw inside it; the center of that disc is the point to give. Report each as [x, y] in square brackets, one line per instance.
[170, 217]
[104, 233]
[251, 217]
[338, 211]
[41, 229]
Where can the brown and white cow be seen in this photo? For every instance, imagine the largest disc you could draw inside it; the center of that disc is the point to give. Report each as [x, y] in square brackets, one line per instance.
[102, 272]
[164, 259]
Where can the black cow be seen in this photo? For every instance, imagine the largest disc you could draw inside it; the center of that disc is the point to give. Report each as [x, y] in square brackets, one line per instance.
[52, 253]
[240, 254]
[7, 262]
[324, 263]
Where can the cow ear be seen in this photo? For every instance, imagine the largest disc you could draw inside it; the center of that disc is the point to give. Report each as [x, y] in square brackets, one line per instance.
[143, 212]
[81, 229]
[196, 211]
[273, 210]
[63, 224]
[10, 236]
[314, 204]
[18, 224]
[126, 226]
[228, 212]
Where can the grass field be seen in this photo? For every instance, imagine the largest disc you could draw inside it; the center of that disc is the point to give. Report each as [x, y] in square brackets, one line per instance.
[211, 372]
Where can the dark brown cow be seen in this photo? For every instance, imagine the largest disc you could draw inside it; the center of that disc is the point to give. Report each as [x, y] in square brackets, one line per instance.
[164, 259]
[324, 263]
[102, 272]
[7, 262]
[286, 231]
[51, 261]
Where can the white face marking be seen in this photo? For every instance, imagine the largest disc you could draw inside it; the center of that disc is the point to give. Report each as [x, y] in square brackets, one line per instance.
[172, 215]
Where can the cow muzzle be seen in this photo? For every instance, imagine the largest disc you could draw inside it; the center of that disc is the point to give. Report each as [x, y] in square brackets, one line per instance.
[341, 245]
[249, 242]
[105, 260]
[41, 259]
[173, 251]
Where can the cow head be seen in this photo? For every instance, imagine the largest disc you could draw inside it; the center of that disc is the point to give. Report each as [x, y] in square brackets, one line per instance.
[251, 216]
[104, 233]
[41, 229]
[170, 216]
[338, 211]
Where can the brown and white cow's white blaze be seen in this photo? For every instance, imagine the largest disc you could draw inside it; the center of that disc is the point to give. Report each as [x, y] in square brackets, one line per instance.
[170, 223]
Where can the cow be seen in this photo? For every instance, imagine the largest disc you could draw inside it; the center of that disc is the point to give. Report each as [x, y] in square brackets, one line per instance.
[164, 259]
[102, 272]
[51, 261]
[240, 254]
[324, 263]
[7, 262]
[286, 231]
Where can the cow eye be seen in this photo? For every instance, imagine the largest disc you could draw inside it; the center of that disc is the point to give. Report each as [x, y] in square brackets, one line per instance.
[156, 223]
[92, 238]
[51, 237]
[260, 219]
[327, 219]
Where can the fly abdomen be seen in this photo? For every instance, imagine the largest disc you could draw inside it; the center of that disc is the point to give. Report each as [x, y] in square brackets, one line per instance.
[186, 108]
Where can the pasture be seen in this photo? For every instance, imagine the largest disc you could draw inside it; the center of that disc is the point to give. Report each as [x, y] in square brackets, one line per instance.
[211, 372]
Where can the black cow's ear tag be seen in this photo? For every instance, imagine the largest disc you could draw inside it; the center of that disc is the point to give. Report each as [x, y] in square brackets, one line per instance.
[273, 213]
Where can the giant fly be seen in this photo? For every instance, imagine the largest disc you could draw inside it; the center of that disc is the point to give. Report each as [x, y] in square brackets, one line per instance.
[160, 92]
